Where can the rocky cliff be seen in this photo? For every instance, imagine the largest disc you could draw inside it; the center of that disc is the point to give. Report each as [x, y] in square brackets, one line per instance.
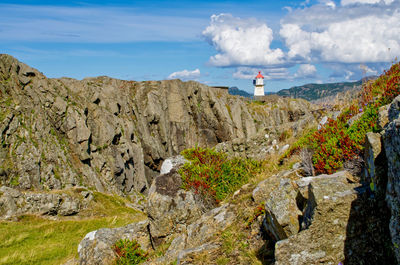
[113, 135]
[119, 136]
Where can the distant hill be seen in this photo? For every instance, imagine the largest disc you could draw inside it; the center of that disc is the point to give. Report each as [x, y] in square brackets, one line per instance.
[317, 91]
[310, 92]
[237, 92]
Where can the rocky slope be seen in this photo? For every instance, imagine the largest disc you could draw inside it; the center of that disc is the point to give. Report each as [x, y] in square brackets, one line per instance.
[325, 219]
[112, 135]
[118, 136]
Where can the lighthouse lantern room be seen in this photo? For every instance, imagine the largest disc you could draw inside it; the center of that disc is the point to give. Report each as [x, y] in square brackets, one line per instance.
[259, 85]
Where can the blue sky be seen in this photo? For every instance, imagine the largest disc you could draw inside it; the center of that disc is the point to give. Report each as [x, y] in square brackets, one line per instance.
[213, 42]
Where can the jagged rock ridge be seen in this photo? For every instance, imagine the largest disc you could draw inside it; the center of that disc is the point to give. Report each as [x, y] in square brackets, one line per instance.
[112, 134]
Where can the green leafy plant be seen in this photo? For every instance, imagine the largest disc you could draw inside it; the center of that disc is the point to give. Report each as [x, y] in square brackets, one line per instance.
[337, 141]
[213, 174]
[129, 252]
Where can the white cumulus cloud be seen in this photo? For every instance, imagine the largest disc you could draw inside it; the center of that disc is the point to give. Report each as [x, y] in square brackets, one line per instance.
[279, 73]
[241, 42]
[351, 34]
[368, 71]
[185, 74]
[350, 2]
[306, 70]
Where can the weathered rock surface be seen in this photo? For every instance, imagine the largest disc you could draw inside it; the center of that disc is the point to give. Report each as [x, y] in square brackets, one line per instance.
[328, 207]
[282, 212]
[14, 203]
[96, 247]
[281, 196]
[172, 163]
[113, 135]
[375, 170]
[392, 149]
[171, 208]
[199, 235]
[264, 189]
[340, 223]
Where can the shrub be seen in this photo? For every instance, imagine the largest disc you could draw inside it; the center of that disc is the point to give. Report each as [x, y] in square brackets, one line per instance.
[213, 174]
[336, 141]
[129, 252]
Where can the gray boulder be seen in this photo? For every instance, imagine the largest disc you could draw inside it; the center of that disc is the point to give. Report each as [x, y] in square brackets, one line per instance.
[14, 203]
[282, 213]
[96, 246]
[199, 236]
[170, 208]
[172, 163]
[329, 205]
[263, 190]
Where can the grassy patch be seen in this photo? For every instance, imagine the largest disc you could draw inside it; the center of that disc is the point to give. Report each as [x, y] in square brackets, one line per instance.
[34, 240]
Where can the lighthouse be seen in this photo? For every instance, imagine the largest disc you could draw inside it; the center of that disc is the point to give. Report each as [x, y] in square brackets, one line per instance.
[259, 85]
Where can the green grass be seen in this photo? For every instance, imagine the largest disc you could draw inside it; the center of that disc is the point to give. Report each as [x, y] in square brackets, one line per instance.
[35, 240]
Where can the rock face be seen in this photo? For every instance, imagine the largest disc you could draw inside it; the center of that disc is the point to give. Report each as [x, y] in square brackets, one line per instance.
[169, 207]
[325, 219]
[375, 171]
[392, 149]
[96, 247]
[14, 203]
[172, 163]
[328, 208]
[282, 212]
[113, 135]
[198, 236]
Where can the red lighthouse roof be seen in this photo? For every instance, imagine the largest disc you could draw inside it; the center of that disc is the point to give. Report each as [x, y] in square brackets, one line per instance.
[260, 75]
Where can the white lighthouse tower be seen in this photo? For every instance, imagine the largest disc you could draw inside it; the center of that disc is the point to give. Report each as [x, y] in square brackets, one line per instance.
[258, 85]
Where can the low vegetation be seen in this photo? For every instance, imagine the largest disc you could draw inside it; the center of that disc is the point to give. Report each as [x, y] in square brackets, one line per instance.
[36, 240]
[213, 174]
[343, 139]
[129, 252]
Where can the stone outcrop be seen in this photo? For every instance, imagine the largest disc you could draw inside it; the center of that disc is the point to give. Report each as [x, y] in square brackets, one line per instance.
[199, 235]
[281, 196]
[375, 170]
[339, 221]
[172, 163]
[264, 188]
[96, 246]
[392, 149]
[328, 207]
[282, 212]
[113, 135]
[14, 203]
[171, 208]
